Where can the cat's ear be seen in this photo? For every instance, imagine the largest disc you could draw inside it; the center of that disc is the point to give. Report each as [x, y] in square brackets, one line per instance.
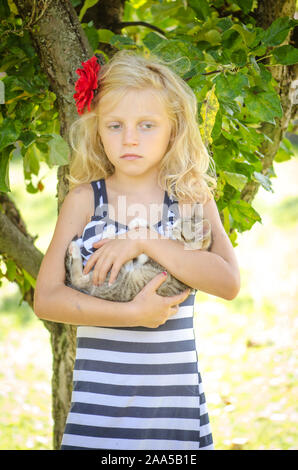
[187, 229]
[201, 234]
[175, 231]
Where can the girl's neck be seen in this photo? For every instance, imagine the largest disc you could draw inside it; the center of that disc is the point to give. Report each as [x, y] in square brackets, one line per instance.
[132, 186]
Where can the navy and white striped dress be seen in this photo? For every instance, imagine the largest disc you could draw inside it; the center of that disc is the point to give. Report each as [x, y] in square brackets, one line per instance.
[136, 388]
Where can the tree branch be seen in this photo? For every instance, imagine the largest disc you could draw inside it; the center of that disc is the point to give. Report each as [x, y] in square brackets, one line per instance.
[138, 23]
[15, 242]
[18, 247]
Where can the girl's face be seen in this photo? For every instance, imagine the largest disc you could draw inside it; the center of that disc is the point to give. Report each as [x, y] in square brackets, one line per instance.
[138, 124]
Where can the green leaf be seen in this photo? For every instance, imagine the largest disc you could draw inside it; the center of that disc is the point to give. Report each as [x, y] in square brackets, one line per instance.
[236, 180]
[87, 4]
[4, 171]
[29, 278]
[226, 221]
[230, 85]
[11, 270]
[9, 132]
[92, 35]
[243, 214]
[263, 106]
[162, 9]
[104, 35]
[231, 40]
[229, 108]
[43, 148]
[152, 40]
[208, 112]
[58, 151]
[248, 37]
[245, 5]
[201, 8]
[239, 57]
[31, 189]
[285, 55]
[4, 9]
[121, 41]
[263, 180]
[33, 86]
[27, 138]
[31, 161]
[179, 53]
[217, 125]
[224, 23]
[213, 36]
[285, 151]
[278, 31]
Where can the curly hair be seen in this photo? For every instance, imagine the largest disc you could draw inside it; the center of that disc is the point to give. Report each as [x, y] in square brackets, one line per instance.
[183, 170]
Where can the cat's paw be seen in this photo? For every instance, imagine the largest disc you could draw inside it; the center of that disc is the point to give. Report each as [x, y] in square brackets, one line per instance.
[137, 222]
[142, 259]
[74, 250]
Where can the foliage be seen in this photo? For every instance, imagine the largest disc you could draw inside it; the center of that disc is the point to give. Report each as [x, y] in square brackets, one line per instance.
[214, 45]
[29, 118]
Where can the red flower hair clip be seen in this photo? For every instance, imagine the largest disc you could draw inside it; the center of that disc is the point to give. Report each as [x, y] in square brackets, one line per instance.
[87, 84]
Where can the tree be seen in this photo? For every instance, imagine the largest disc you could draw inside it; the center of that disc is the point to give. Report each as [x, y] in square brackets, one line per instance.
[238, 56]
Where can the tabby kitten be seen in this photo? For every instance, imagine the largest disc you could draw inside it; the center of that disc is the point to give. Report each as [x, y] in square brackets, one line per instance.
[193, 231]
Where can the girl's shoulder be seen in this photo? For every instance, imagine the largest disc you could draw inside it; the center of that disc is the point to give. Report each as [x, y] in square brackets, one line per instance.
[81, 197]
[210, 212]
[209, 207]
[84, 189]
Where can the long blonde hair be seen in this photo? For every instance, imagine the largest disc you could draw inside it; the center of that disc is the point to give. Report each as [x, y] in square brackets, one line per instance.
[183, 169]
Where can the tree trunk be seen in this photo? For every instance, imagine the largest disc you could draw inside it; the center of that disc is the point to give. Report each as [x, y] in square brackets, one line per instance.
[266, 12]
[61, 45]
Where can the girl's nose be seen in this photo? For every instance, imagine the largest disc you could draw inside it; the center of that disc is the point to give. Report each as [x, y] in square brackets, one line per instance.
[130, 136]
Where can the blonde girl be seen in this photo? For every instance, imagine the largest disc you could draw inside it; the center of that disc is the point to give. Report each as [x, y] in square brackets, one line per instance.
[137, 151]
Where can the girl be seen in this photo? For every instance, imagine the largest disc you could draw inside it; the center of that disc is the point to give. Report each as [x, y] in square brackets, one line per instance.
[136, 378]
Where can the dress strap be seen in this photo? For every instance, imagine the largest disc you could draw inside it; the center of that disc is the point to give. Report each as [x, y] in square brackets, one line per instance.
[173, 208]
[100, 198]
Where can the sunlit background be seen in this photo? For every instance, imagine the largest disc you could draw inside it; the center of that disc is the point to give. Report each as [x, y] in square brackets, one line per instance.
[247, 347]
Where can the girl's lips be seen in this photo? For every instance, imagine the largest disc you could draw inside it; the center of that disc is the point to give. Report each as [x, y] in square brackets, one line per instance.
[130, 157]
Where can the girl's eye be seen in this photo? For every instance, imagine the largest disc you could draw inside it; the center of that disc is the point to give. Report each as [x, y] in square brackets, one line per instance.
[148, 124]
[116, 126]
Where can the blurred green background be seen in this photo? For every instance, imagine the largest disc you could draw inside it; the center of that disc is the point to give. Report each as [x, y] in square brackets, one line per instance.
[247, 347]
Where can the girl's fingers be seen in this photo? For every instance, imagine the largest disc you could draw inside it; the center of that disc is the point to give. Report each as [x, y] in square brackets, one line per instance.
[114, 273]
[93, 259]
[101, 270]
[88, 266]
[100, 242]
[91, 262]
[179, 298]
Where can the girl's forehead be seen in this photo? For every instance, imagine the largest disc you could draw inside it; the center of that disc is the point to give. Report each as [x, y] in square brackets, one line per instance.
[146, 101]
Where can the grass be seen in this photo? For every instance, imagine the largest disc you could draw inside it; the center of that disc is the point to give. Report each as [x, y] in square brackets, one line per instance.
[247, 347]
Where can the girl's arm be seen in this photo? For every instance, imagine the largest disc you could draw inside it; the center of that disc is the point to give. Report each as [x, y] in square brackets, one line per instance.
[55, 301]
[52, 299]
[215, 272]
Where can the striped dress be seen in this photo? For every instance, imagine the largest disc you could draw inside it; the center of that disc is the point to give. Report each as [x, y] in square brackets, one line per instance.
[136, 388]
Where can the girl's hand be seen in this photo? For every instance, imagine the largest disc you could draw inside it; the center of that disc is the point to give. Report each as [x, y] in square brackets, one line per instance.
[152, 310]
[112, 253]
